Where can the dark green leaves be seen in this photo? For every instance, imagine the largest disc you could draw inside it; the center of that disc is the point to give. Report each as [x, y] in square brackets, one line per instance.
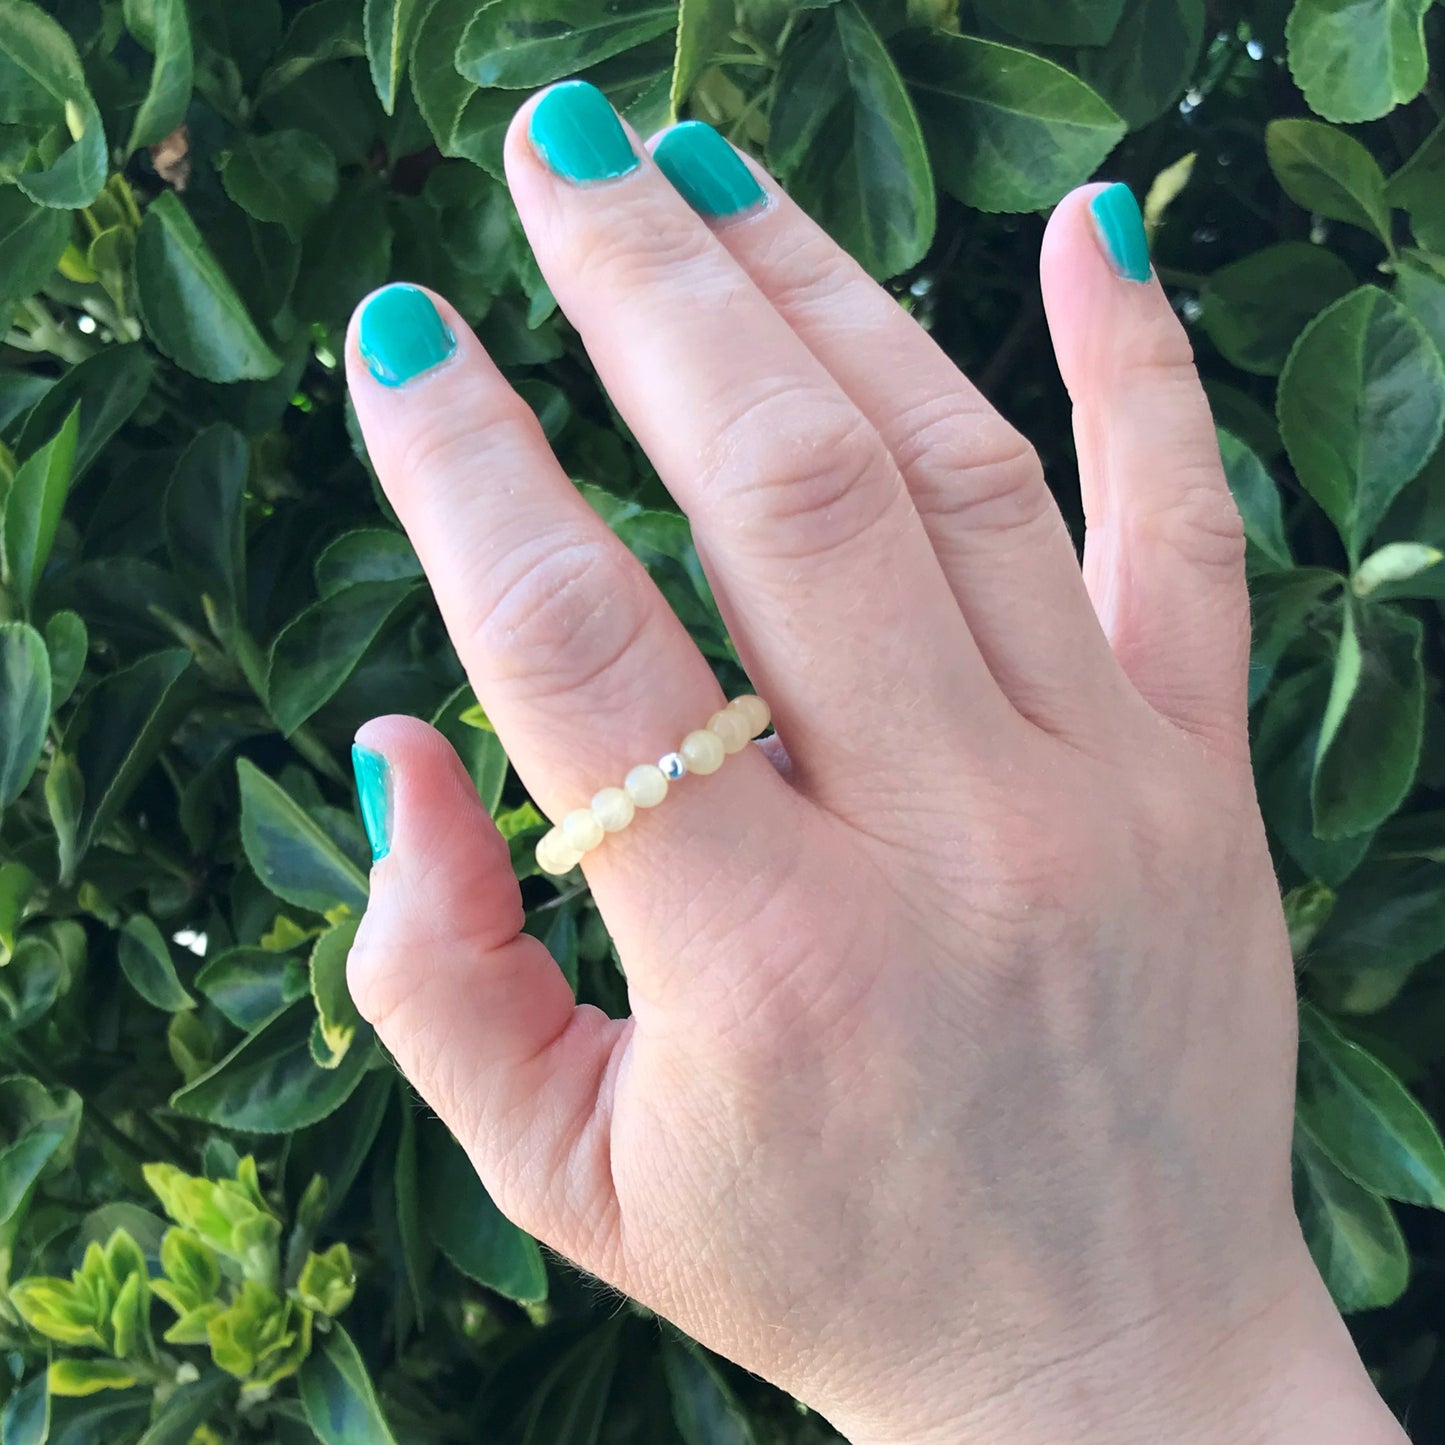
[388, 33]
[1149, 57]
[292, 854]
[191, 310]
[288, 176]
[1363, 1117]
[846, 141]
[162, 27]
[32, 510]
[1419, 188]
[1008, 131]
[269, 1084]
[40, 68]
[337, 1395]
[24, 706]
[1326, 171]
[204, 518]
[1369, 743]
[1056, 22]
[145, 958]
[1358, 59]
[518, 44]
[1361, 405]
[703, 27]
[32, 238]
[1257, 498]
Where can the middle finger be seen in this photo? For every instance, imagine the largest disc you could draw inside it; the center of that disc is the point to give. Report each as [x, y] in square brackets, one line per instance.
[817, 553]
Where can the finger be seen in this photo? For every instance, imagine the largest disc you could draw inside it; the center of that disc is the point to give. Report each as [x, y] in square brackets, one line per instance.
[476, 1012]
[580, 664]
[808, 530]
[1164, 558]
[977, 484]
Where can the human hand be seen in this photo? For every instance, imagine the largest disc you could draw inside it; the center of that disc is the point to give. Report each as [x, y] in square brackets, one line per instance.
[956, 1096]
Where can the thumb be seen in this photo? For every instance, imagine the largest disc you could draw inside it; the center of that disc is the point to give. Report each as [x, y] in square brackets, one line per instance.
[1164, 558]
[476, 1012]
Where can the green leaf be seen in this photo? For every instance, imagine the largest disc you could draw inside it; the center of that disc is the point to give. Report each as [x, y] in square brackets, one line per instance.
[32, 239]
[1388, 572]
[470, 1230]
[26, 1418]
[1008, 131]
[388, 30]
[36, 53]
[1358, 59]
[269, 1083]
[464, 119]
[1257, 498]
[703, 31]
[347, 254]
[204, 515]
[68, 643]
[327, 1283]
[706, 1410]
[64, 800]
[1328, 172]
[24, 706]
[337, 1394]
[480, 749]
[1254, 309]
[185, 1411]
[189, 307]
[83, 1422]
[288, 176]
[1149, 59]
[162, 27]
[119, 727]
[1419, 188]
[1057, 22]
[39, 1128]
[251, 985]
[87, 1377]
[1352, 1234]
[321, 32]
[290, 852]
[519, 44]
[418, 1252]
[17, 888]
[569, 1404]
[371, 554]
[1365, 1119]
[337, 1020]
[847, 143]
[33, 506]
[1369, 743]
[318, 650]
[145, 959]
[108, 388]
[1361, 406]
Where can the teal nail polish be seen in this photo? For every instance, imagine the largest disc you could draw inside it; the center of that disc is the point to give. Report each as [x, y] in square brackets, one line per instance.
[373, 792]
[1121, 232]
[706, 171]
[578, 134]
[401, 335]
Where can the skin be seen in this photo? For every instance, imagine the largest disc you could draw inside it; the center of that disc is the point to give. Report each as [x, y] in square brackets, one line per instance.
[956, 1096]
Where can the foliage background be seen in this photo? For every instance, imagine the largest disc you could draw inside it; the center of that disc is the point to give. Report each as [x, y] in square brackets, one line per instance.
[203, 593]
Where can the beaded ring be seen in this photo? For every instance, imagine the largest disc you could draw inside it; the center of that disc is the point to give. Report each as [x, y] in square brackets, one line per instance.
[701, 752]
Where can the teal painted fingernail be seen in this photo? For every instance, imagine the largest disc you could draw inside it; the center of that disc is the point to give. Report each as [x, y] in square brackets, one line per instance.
[373, 792]
[402, 335]
[578, 134]
[706, 171]
[1121, 232]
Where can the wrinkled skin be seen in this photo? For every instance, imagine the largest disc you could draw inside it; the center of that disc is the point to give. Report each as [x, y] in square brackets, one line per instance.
[956, 1096]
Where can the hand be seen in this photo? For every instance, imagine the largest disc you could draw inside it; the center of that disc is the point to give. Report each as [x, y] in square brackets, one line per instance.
[956, 1095]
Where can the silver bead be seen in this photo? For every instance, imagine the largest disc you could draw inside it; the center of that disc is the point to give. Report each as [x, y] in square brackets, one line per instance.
[672, 766]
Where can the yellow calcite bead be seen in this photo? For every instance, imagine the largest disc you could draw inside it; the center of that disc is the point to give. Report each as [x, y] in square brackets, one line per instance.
[732, 728]
[613, 809]
[582, 830]
[555, 855]
[703, 752]
[645, 785]
[754, 712]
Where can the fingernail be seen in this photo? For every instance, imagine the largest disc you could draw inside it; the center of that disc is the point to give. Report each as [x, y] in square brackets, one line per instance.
[578, 134]
[373, 792]
[402, 335]
[1120, 229]
[706, 171]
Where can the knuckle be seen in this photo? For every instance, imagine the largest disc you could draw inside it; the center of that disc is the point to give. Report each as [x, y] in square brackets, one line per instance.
[801, 472]
[561, 615]
[1201, 524]
[635, 246]
[453, 442]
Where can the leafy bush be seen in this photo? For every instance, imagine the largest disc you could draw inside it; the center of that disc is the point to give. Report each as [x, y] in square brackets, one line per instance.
[205, 593]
